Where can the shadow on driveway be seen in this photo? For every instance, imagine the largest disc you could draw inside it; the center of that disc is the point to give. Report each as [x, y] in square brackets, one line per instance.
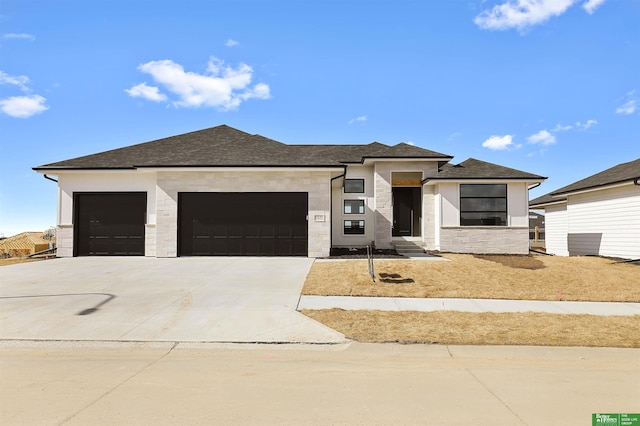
[209, 299]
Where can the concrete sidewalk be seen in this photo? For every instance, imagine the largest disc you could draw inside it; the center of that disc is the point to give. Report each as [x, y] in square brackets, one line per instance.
[466, 305]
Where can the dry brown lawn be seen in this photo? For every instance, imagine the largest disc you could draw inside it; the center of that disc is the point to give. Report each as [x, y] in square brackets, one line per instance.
[484, 277]
[466, 328]
[16, 260]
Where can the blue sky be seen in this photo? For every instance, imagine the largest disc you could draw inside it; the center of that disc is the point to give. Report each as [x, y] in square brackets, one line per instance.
[547, 86]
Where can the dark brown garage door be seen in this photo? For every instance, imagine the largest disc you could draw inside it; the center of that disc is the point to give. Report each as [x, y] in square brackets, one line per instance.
[109, 223]
[242, 224]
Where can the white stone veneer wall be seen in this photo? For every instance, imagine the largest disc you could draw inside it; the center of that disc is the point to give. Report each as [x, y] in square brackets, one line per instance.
[384, 199]
[64, 240]
[485, 240]
[315, 183]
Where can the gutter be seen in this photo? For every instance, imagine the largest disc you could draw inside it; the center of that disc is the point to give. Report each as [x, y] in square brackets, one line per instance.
[535, 185]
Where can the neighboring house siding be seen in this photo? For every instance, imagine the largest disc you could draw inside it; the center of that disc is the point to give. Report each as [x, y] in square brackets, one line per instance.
[605, 222]
[556, 228]
[315, 183]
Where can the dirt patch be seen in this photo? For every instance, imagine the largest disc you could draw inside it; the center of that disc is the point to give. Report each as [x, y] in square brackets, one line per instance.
[15, 261]
[466, 328]
[521, 262]
[466, 276]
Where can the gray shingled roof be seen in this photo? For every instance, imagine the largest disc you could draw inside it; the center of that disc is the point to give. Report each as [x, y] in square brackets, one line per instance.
[624, 172]
[476, 169]
[224, 146]
[546, 199]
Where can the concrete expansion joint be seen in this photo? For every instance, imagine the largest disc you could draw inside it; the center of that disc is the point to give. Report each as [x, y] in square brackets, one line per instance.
[146, 367]
[496, 396]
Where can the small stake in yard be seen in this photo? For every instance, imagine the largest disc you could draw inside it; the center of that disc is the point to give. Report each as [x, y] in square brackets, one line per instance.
[370, 259]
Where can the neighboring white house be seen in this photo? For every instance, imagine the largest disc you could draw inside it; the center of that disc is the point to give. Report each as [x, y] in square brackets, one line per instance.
[221, 191]
[598, 215]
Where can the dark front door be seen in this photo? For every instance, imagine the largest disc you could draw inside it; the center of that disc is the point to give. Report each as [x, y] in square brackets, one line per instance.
[109, 223]
[407, 211]
[243, 224]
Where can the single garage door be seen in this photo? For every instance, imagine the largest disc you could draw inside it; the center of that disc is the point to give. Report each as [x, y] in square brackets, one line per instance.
[242, 224]
[109, 223]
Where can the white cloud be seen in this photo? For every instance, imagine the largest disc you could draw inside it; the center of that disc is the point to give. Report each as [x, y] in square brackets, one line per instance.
[20, 80]
[360, 119]
[231, 43]
[588, 124]
[20, 36]
[498, 142]
[521, 13]
[630, 106]
[23, 106]
[591, 5]
[454, 135]
[220, 86]
[627, 108]
[147, 92]
[560, 128]
[543, 137]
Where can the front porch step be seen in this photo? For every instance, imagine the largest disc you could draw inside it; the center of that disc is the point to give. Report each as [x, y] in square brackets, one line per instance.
[408, 247]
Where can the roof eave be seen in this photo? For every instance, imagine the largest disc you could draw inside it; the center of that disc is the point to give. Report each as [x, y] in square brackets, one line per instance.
[547, 203]
[623, 182]
[369, 159]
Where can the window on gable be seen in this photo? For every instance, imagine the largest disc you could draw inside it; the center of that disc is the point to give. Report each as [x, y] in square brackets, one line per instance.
[354, 186]
[483, 205]
[353, 207]
[353, 227]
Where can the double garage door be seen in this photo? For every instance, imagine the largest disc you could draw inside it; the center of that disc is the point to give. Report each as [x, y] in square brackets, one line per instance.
[242, 224]
[209, 224]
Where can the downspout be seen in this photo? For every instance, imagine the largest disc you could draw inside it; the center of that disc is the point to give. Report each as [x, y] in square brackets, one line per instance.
[636, 181]
[50, 178]
[331, 205]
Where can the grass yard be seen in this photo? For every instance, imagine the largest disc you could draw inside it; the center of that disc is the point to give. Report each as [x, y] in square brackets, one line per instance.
[483, 277]
[466, 328]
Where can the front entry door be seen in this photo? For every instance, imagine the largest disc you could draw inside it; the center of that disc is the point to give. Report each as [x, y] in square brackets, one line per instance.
[406, 211]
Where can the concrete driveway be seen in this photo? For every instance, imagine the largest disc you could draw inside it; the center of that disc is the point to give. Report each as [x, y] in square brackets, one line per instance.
[147, 299]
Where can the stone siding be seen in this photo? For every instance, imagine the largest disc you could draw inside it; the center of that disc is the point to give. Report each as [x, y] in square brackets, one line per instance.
[64, 240]
[484, 240]
[315, 183]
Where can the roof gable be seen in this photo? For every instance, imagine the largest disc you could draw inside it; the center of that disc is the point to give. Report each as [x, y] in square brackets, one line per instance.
[621, 173]
[624, 172]
[477, 169]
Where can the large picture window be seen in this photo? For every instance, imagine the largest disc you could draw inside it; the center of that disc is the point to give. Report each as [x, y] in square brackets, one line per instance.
[483, 205]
